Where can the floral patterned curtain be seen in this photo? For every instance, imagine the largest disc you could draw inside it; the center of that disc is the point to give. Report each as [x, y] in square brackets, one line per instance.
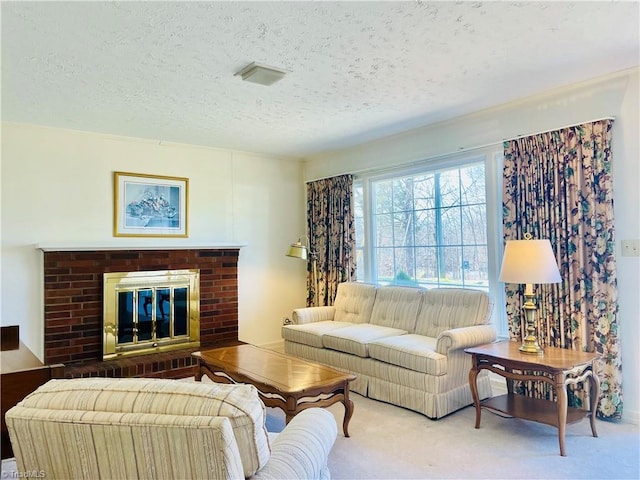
[331, 236]
[557, 185]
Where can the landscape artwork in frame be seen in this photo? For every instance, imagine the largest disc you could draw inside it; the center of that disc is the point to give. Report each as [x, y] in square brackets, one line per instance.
[150, 205]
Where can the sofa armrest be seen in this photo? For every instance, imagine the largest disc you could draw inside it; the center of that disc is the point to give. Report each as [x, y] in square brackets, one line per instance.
[301, 450]
[465, 337]
[312, 314]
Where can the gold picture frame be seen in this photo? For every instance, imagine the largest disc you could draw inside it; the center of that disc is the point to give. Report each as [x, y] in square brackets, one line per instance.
[150, 205]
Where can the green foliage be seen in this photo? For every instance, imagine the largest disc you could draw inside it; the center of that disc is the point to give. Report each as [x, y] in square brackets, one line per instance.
[402, 278]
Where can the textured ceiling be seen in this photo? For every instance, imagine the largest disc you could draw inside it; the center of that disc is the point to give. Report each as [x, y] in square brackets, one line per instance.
[358, 70]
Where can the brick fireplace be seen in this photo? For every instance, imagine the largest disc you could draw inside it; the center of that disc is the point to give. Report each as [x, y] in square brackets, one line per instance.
[73, 295]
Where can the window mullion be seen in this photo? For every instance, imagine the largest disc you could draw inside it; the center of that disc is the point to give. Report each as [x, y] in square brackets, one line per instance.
[438, 221]
[414, 252]
[462, 244]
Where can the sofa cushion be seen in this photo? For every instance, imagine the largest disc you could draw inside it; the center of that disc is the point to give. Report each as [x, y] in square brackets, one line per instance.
[355, 339]
[239, 403]
[446, 308]
[397, 307]
[311, 333]
[354, 302]
[415, 352]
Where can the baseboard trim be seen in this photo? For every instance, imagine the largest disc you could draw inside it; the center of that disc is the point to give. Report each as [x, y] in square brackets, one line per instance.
[632, 417]
[277, 346]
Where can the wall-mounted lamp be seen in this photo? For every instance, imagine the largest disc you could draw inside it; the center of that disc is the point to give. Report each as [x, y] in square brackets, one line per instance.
[304, 252]
[298, 250]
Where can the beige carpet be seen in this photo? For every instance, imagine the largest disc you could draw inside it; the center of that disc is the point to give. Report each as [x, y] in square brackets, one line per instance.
[388, 442]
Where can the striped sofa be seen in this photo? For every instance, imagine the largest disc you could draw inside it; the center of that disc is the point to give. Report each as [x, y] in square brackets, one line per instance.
[162, 429]
[405, 344]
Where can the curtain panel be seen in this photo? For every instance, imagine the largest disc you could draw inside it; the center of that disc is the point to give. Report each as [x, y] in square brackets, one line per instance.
[558, 185]
[330, 224]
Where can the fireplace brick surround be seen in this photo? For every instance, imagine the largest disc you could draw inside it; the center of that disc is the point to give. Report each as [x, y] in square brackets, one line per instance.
[73, 287]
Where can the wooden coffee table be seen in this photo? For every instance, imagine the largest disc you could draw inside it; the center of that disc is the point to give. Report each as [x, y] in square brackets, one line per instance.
[282, 380]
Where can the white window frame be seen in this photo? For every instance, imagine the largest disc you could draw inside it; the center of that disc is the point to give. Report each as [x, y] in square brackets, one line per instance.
[493, 162]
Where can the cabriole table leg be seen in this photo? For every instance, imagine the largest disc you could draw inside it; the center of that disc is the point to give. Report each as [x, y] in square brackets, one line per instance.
[594, 390]
[561, 392]
[348, 410]
[473, 384]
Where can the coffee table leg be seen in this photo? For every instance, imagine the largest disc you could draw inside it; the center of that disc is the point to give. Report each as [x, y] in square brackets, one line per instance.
[348, 410]
[197, 371]
[290, 409]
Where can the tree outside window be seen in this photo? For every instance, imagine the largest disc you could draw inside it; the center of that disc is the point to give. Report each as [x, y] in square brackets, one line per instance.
[427, 229]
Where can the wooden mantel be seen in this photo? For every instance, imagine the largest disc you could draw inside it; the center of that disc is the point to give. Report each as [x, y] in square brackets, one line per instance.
[131, 245]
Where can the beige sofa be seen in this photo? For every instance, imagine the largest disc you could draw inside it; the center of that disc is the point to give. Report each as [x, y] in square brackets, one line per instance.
[405, 344]
[163, 429]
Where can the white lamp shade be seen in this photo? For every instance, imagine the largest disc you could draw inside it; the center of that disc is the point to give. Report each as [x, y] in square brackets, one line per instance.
[529, 262]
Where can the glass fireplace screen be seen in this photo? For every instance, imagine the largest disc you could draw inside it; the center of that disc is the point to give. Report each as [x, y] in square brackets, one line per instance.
[145, 312]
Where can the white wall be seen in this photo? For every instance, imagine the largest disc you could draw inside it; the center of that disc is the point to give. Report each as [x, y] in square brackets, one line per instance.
[57, 187]
[614, 95]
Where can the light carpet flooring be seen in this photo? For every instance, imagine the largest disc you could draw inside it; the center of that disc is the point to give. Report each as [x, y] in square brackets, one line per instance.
[388, 442]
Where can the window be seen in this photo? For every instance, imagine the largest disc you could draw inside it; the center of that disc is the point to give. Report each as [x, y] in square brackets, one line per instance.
[434, 225]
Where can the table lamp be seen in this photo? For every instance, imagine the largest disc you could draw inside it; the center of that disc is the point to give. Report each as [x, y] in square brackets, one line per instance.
[529, 261]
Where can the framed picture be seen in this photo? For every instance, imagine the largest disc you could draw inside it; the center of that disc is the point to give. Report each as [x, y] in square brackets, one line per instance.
[150, 205]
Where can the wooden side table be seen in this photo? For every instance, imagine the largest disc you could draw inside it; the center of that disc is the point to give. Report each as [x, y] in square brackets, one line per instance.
[558, 367]
[21, 374]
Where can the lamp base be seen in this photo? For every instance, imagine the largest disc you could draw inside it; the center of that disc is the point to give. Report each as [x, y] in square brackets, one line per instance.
[530, 341]
[530, 346]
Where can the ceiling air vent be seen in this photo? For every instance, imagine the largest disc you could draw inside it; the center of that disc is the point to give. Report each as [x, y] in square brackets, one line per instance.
[262, 74]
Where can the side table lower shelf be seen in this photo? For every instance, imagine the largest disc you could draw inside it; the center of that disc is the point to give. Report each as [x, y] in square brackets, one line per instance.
[534, 409]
